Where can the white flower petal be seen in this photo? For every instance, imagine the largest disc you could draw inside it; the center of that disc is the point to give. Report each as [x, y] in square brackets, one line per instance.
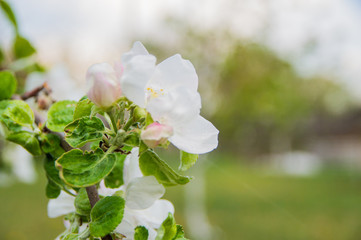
[128, 224]
[62, 205]
[104, 191]
[174, 72]
[142, 192]
[157, 213]
[197, 136]
[138, 66]
[131, 168]
[178, 106]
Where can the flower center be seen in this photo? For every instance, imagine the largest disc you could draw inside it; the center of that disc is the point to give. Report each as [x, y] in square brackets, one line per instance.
[154, 93]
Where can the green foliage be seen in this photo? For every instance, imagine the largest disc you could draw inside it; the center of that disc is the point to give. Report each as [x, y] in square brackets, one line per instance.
[132, 139]
[187, 160]
[115, 177]
[116, 115]
[82, 204]
[52, 190]
[106, 215]
[60, 114]
[168, 229]
[22, 47]
[16, 112]
[55, 184]
[27, 140]
[83, 109]
[180, 233]
[9, 13]
[49, 142]
[80, 169]
[151, 164]
[141, 233]
[8, 84]
[84, 130]
[71, 236]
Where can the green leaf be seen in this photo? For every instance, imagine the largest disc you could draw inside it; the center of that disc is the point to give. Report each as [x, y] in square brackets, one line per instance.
[84, 130]
[106, 215]
[60, 114]
[141, 233]
[49, 142]
[83, 109]
[82, 204]
[180, 233]
[52, 189]
[51, 171]
[35, 67]
[187, 160]
[8, 84]
[71, 236]
[96, 110]
[115, 177]
[9, 13]
[27, 140]
[22, 47]
[80, 169]
[16, 112]
[168, 229]
[116, 115]
[132, 139]
[151, 164]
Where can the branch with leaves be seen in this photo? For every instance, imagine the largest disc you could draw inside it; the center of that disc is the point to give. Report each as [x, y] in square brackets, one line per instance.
[100, 153]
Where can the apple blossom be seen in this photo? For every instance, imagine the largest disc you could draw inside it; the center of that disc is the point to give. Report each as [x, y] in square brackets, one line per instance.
[105, 86]
[169, 93]
[156, 134]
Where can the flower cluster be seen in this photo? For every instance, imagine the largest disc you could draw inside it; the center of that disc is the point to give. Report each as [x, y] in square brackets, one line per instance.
[168, 91]
[103, 172]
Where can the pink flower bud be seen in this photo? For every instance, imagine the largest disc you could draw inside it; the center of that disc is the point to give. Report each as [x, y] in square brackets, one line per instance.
[156, 134]
[105, 86]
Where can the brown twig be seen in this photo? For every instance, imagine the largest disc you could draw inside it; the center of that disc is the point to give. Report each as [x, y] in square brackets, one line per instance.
[92, 195]
[33, 93]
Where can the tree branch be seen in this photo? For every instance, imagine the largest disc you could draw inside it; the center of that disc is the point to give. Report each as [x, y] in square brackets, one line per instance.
[33, 93]
[92, 195]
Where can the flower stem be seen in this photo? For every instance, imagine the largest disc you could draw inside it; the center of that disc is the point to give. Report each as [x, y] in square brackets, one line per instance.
[93, 199]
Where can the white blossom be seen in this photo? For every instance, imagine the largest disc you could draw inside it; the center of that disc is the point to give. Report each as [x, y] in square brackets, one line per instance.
[169, 93]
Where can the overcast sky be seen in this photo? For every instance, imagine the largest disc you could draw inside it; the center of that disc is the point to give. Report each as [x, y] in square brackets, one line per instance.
[318, 36]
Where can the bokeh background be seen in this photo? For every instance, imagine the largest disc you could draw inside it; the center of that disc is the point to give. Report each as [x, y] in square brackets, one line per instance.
[280, 79]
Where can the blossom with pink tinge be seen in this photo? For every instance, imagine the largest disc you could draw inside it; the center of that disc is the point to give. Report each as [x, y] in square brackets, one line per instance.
[105, 86]
[156, 134]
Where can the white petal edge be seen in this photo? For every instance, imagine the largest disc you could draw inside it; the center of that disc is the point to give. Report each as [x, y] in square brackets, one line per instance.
[62, 205]
[141, 193]
[157, 213]
[139, 66]
[131, 168]
[174, 72]
[197, 136]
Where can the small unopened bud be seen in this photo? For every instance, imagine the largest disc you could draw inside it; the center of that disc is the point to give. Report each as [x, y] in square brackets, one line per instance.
[105, 85]
[139, 113]
[119, 138]
[156, 134]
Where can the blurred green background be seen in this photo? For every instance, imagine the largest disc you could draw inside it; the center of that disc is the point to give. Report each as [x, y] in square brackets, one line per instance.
[242, 202]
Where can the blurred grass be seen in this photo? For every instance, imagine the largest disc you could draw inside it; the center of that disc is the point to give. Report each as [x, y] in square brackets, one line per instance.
[246, 203]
